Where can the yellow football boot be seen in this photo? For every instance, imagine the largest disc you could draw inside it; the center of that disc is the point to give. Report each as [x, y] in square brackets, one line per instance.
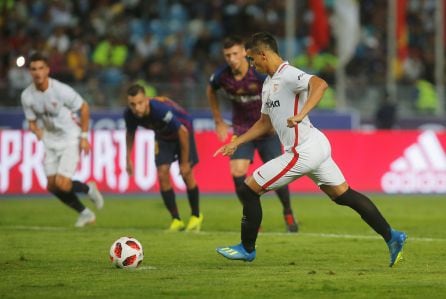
[194, 223]
[176, 225]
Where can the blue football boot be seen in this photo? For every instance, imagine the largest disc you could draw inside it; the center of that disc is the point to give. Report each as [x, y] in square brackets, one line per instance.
[237, 252]
[395, 245]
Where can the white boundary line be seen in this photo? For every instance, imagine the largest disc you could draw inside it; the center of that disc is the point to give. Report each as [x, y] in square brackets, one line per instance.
[318, 235]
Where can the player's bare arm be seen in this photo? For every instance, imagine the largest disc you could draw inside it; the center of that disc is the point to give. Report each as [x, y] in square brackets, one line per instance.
[129, 139]
[221, 127]
[85, 122]
[183, 136]
[33, 127]
[260, 128]
[316, 89]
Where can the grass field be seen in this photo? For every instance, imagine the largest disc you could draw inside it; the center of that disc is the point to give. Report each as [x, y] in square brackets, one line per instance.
[335, 255]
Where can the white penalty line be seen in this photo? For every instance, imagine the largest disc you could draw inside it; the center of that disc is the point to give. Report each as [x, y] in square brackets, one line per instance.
[318, 235]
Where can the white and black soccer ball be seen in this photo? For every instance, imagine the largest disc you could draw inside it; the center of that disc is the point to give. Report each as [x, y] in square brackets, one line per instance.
[126, 252]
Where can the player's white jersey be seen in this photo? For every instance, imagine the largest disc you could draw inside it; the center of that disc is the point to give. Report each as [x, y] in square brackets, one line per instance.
[56, 108]
[283, 96]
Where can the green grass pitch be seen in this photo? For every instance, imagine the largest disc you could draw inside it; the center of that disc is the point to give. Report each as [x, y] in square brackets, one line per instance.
[335, 254]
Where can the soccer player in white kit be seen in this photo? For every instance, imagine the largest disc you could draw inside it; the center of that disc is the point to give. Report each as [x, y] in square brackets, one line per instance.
[288, 95]
[54, 104]
[242, 86]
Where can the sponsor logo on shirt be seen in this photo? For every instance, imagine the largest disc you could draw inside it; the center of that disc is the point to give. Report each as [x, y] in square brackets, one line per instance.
[243, 98]
[272, 104]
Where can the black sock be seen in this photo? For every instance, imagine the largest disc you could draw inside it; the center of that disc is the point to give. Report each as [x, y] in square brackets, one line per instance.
[193, 197]
[284, 195]
[70, 199]
[238, 182]
[368, 211]
[170, 203]
[252, 217]
[80, 187]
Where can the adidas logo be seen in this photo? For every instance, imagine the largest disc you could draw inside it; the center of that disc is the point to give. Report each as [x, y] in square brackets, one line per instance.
[421, 169]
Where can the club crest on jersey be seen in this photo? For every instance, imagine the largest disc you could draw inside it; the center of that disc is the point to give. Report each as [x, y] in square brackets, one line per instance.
[272, 104]
[240, 91]
[168, 117]
[275, 87]
[51, 107]
[253, 87]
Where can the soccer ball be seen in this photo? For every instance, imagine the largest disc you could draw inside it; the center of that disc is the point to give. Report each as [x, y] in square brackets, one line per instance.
[126, 252]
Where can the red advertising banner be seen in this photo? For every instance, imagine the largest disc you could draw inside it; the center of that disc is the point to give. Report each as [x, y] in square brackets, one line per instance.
[379, 161]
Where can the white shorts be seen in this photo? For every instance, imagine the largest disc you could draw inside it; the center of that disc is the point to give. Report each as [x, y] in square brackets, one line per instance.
[62, 161]
[313, 159]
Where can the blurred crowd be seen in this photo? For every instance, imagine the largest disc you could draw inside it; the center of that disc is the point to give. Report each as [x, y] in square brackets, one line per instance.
[370, 58]
[170, 45]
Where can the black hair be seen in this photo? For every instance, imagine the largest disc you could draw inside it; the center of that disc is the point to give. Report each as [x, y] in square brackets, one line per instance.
[262, 40]
[134, 89]
[37, 56]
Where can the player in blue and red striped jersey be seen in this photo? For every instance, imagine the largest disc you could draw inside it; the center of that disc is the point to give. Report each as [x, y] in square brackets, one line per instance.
[174, 140]
[241, 84]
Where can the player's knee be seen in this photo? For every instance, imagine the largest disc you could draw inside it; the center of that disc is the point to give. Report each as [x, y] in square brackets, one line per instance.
[238, 172]
[189, 180]
[63, 184]
[164, 181]
[163, 170]
[336, 193]
[239, 167]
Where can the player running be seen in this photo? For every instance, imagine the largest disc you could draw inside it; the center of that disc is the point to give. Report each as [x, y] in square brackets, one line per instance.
[242, 85]
[54, 104]
[174, 137]
[288, 95]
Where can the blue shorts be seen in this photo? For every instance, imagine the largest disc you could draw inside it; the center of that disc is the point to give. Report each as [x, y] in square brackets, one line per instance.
[268, 147]
[168, 151]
